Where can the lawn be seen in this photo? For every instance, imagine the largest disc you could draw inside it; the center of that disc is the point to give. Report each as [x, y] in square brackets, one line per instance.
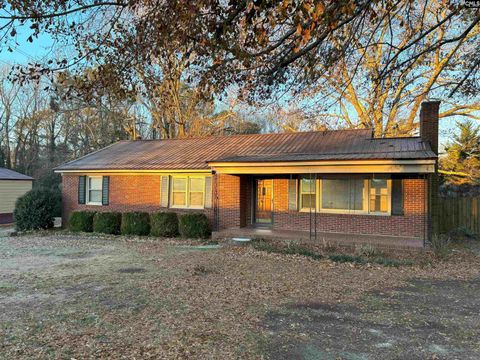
[75, 296]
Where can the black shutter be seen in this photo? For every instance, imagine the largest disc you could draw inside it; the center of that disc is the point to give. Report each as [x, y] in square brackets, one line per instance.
[292, 195]
[397, 197]
[105, 189]
[82, 184]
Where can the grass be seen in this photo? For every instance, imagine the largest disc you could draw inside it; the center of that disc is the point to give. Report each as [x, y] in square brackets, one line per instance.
[379, 260]
[292, 249]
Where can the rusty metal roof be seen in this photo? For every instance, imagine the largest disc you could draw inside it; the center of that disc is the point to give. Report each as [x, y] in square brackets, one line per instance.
[7, 174]
[195, 153]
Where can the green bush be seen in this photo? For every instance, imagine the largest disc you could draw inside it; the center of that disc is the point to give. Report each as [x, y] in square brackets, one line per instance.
[164, 224]
[194, 226]
[35, 210]
[81, 221]
[52, 182]
[107, 222]
[135, 223]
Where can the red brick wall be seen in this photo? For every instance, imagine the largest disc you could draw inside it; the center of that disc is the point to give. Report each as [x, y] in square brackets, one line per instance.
[411, 224]
[233, 194]
[127, 193]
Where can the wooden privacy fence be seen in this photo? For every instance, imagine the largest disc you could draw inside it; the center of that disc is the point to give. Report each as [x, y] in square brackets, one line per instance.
[456, 212]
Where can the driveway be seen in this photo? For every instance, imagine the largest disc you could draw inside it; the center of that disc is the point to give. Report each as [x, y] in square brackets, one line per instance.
[84, 297]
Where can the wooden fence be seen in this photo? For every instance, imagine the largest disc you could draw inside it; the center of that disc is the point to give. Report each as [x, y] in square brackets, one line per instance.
[456, 212]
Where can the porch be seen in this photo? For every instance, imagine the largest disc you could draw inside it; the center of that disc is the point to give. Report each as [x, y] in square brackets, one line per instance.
[322, 238]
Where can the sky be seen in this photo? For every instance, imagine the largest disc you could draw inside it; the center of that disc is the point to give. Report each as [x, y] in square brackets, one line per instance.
[42, 48]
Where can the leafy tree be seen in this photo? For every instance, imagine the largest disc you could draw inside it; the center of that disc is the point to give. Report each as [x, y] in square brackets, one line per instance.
[261, 45]
[461, 165]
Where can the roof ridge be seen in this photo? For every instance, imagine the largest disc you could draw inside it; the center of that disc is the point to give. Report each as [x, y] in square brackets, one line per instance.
[245, 135]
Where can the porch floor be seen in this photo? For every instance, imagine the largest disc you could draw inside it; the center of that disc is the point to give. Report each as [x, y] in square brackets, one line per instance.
[339, 239]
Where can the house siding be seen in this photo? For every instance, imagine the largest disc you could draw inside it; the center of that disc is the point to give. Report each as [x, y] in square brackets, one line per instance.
[234, 193]
[10, 191]
[232, 196]
[127, 193]
[411, 224]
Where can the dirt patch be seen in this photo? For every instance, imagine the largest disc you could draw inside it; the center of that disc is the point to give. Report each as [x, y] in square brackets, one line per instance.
[427, 319]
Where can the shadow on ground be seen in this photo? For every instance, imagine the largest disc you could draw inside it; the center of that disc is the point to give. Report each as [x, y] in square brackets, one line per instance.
[428, 319]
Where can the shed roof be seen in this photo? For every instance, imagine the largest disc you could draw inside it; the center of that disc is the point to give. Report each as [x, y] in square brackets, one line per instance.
[7, 174]
[196, 153]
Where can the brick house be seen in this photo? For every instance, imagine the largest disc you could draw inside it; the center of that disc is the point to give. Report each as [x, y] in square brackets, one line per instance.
[342, 186]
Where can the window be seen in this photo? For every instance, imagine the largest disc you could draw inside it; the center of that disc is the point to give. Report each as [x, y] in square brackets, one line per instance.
[343, 195]
[179, 191]
[349, 196]
[379, 196]
[307, 194]
[196, 192]
[94, 190]
[188, 191]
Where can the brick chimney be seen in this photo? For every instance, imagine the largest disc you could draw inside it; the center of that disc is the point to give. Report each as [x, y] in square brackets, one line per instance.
[429, 123]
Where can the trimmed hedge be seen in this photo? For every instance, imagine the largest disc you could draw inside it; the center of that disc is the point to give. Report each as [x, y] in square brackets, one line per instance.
[81, 221]
[194, 226]
[35, 210]
[164, 224]
[135, 223]
[107, 222]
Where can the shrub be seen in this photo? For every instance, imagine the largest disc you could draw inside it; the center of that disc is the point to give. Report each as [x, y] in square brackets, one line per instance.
[461, 234]
[52, 182]
[440, 245]
[81, 221]
[343, 258]
[135, 223]
[107, 223]
[164, 224]
[369, 251]
[35, 210]
[194, 226]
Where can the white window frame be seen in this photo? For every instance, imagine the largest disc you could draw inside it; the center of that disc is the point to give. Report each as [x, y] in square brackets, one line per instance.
[366, 200]
[187, 192]
[87, 188]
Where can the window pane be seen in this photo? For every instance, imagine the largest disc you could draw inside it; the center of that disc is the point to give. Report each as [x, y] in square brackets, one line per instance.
[378, 195]
[342, 194]
[179, 184]
[95, 196]
[95, 183]
[196, 198]
[308, 201]
[307, 185]
[196, 184]
[179, 199]
[356, 194]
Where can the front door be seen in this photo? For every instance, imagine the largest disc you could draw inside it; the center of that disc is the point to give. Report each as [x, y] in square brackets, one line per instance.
[264, 201]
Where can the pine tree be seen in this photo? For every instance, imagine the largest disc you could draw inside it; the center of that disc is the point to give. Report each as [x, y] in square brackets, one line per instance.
[461, 165]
